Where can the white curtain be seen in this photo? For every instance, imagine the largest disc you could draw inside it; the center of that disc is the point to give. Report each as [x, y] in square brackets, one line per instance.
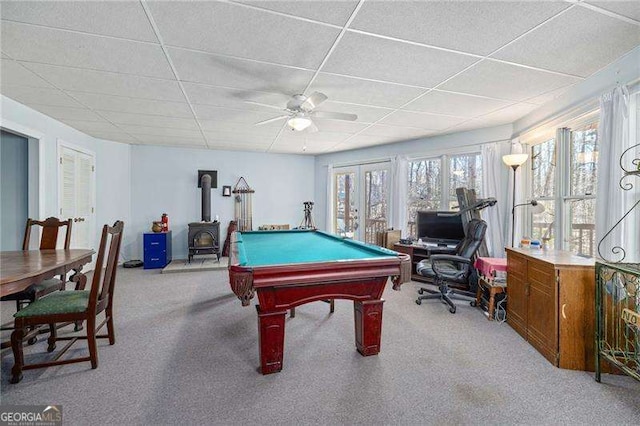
[492, 167]
[617, 195]
[328, 224]
[399, 170]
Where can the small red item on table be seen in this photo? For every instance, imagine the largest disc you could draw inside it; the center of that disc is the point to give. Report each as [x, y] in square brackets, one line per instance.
[489, 268]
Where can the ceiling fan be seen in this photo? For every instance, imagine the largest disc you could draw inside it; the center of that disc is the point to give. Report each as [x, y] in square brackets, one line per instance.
[300, 111]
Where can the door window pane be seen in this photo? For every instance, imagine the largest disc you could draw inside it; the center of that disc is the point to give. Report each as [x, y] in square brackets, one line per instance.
[543, 165]
[376, 209]
[465, 171]
[424, 189]
[346, 210]
[584, 157]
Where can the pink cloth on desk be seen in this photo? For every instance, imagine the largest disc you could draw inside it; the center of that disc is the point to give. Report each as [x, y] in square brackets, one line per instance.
[488, 266]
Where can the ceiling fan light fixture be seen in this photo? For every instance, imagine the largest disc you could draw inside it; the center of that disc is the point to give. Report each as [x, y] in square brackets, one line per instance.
[299, 123]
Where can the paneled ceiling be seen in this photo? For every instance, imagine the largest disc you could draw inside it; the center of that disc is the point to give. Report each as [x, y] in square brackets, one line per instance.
[179, 73]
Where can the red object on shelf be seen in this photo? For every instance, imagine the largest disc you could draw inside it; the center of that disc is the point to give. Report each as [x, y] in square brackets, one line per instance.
[165, 222]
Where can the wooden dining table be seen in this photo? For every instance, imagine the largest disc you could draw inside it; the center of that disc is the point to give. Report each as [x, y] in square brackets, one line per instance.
[19, 269]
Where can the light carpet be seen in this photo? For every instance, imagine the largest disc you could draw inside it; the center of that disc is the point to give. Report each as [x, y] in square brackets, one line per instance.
[186, 352]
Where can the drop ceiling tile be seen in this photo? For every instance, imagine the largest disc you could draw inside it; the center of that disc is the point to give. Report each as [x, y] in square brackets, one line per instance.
[578, 42]
[396, 133]
[292, 137]
[92, 126]
[438, 102]
[12, 73]
[227, 115]
[124, 19]
[549, 96]
[150, 120]
[108, 83]
[57, 47]
[256, 34]
[198, 67]
[346, 89]
[508, 114]
[136, 130]
[366, 114]
[470, 26]
[338, 126]
[67, 113]
[269, 129]
[505, 81]
[381, 59]
[123, 104]
[114, 136]
[230, 138]
[421, 120]
[41, 96]
[331, 12]
[238, 147]
[233, 98]
[240, 135]
[630, 9]
[170, 140]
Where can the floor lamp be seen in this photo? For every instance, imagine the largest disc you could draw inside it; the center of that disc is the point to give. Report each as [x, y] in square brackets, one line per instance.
[514, 160]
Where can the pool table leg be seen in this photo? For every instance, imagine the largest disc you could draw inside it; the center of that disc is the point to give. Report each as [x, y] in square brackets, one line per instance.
[368, 323]
[271, 332]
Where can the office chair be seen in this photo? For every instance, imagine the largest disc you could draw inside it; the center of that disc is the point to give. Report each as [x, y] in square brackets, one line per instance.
[457, 270]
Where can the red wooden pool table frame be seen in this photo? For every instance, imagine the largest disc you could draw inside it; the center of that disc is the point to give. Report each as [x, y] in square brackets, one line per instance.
[282, 287]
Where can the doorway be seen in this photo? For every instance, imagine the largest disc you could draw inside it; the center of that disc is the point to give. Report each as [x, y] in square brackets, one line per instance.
[76, 192]
[14, 194]
[361, 201]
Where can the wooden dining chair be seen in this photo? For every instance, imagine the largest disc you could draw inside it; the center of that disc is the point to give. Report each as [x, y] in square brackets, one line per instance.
[73, 306]
[48, 241]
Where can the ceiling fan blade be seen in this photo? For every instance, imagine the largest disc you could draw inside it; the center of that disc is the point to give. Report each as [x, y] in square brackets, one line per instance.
[335, 115]
[315, 99]
[265, 105]
[260, 123]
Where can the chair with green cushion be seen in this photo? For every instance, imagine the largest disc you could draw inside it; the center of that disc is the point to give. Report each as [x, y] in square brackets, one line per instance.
[72, 306]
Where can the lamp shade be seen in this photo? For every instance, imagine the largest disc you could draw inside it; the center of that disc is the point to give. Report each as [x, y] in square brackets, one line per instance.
[514, 159]
[299, 123]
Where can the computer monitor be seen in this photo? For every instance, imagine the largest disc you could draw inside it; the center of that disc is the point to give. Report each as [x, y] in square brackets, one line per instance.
[439, 227]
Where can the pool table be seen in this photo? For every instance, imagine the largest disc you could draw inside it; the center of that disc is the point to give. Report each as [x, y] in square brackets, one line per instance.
[290, 268]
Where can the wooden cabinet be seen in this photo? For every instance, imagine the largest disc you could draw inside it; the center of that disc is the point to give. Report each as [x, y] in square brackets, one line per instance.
[157, 249]
[551, 304]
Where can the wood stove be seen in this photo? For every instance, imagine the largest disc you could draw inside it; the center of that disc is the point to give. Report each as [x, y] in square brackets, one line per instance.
[204, 237]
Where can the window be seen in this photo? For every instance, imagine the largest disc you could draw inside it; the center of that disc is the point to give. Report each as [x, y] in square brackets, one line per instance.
[543, 179]
[566, 188]
[465, 172]
[432, 183]
[424, 190]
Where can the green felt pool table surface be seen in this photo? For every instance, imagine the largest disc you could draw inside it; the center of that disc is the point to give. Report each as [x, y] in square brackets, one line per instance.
[263, 248]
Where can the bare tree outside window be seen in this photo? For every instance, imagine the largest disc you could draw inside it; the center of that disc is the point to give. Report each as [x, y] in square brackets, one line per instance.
[465, 171]
[424, 189]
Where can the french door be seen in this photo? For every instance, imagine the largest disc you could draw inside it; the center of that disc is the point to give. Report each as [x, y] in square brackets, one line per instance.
[361, 201]
[76, 194]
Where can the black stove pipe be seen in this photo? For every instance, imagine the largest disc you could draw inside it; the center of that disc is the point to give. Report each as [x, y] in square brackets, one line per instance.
[205, 183]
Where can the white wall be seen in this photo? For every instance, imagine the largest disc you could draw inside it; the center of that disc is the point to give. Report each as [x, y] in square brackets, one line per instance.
[113, 177]
[164, 180]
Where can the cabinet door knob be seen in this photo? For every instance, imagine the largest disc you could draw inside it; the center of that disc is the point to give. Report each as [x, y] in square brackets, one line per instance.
[564, 315]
